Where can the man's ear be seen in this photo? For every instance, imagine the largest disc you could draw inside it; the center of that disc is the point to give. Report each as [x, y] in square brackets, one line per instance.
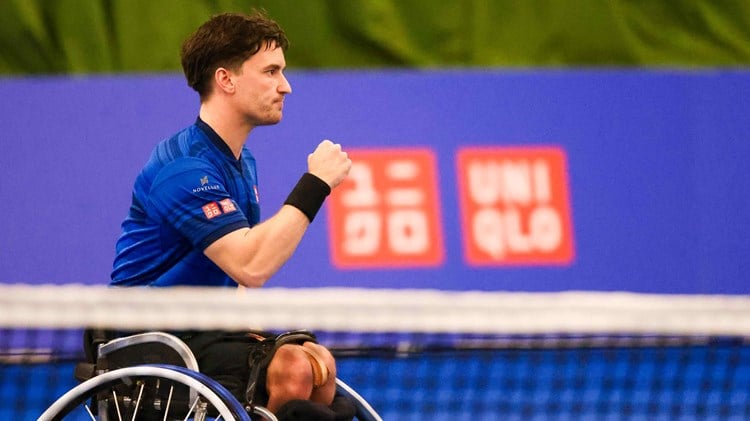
[223, 79]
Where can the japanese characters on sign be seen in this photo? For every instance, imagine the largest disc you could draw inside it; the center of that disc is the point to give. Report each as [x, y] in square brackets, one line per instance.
[387, 212]
[514, 208]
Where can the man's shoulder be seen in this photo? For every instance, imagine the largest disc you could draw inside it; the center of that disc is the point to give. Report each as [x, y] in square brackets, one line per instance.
[193, 168]
[188, 142]
[184, 152]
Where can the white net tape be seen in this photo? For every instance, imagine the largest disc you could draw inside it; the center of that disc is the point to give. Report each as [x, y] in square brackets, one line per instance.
[372, 310]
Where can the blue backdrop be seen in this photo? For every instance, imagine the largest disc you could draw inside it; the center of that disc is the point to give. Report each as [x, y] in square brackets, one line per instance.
[656, 159]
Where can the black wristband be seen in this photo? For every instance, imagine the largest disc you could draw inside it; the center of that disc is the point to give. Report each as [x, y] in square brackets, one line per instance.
[308, 195]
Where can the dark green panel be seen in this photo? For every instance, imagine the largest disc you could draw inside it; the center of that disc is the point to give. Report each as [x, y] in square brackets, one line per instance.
[83, 36]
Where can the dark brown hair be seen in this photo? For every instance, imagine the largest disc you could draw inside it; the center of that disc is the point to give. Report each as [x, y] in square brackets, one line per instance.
[227, 40]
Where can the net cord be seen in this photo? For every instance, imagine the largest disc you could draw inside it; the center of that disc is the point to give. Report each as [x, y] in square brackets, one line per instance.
[372, 310]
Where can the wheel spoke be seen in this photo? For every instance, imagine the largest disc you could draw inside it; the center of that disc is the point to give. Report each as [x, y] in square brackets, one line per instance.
[169, 402]
[117, 405]
[138, 401]
[192, 408]
[89, 411]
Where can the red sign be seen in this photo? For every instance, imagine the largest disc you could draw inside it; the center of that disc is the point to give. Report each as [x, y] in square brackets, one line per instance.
[386, 212]
[515, 206]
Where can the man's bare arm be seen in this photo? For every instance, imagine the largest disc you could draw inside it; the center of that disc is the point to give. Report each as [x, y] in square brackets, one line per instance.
[251, 256]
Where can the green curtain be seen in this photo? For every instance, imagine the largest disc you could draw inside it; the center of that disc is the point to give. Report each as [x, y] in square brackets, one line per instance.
[95, 36]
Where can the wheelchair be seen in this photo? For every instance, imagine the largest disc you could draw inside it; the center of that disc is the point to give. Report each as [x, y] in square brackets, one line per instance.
[155, 376]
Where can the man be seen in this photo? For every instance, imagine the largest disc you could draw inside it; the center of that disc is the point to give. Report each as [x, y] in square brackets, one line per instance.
[194, 217]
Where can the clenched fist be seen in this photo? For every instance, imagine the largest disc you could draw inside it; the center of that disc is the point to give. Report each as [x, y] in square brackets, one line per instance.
[329, 163]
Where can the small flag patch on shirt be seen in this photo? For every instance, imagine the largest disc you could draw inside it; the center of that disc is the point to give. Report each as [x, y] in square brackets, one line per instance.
[211, 210]
[227, 206]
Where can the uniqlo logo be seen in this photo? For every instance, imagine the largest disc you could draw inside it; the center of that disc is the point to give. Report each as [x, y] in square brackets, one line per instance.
[515, 206]
[227, 205]
[211, 210]
[385, 213]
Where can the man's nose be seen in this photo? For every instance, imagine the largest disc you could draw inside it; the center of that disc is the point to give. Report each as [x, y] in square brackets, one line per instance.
[285, 87]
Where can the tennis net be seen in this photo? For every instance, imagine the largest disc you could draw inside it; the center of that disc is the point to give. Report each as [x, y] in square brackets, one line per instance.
[425, 354]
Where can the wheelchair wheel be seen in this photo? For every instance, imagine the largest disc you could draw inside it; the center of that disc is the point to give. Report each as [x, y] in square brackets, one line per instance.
[147, 392]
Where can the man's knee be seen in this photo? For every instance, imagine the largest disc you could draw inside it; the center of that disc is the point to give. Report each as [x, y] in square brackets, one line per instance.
[288, 377]
[300, 369]
[321, 356]
[290, 367]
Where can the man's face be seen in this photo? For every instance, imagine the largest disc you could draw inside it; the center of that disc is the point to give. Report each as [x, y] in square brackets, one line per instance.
[261, 86]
